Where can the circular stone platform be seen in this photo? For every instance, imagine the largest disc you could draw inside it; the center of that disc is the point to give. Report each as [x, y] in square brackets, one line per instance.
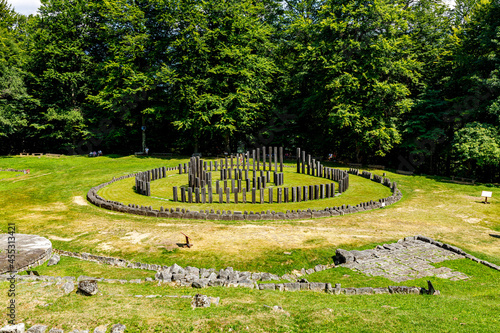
[31, 251]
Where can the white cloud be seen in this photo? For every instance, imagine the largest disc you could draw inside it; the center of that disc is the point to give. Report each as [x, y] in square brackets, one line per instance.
[25, 7]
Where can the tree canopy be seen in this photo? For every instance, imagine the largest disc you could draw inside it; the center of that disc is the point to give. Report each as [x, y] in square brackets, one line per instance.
[411, 84]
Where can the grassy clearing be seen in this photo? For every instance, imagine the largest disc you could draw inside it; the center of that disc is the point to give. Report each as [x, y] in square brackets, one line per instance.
[51, 202]
[9, 174]
[470, 306]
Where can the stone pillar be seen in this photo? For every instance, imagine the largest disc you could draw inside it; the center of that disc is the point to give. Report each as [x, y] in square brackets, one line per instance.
[322, 191]
[286, 194]
[303, 162]
[276, 159]
[327, 190]
[311, 192]
[332, 190]
[264, 158]
[298, 194]
[261, 195]
[210, 196]
[220, 196]
[253, 159]
[270, 158]
[279, 194]
[175, 194]
[190, 195]
[227, 195]
[236, 196]
[253, 195]
[309, 164]
[258, 160]
[217, 186]
[183, 194]
[244, 195]
[232, 185]
[281, 159]
[203, 195]
[197, 195]
[294, 194]
[270, 195]
[180, 169]
[305, 195]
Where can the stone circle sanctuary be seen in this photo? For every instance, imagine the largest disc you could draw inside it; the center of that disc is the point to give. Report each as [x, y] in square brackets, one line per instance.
[255, 177]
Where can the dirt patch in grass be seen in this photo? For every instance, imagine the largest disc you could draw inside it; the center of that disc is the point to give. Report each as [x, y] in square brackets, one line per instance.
[80, 201]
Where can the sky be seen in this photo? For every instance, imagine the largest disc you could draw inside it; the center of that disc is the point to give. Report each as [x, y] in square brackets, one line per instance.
[27, 7]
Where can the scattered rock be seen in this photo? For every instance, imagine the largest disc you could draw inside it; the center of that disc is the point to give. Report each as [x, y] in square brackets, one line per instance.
[215, 301]
[88, 287]
[101, 329]
[118, 328]
[54, 260]
[200, 301]
[19, 328]
[56, 330]
[68, 287]
[37, 329]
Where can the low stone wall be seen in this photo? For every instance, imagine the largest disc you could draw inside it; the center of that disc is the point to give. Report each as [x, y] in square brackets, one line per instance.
[182, 213]
[15, 170]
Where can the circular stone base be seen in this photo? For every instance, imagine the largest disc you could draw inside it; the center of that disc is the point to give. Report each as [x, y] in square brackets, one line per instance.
[30, 251]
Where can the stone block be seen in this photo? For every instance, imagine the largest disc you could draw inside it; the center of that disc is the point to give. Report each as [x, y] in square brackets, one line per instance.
[267, 286]
[295, 286]
[37, 329]
[88, 287]
[317, 286]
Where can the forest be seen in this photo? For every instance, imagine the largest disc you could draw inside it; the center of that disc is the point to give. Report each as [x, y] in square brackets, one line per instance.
[409, 84]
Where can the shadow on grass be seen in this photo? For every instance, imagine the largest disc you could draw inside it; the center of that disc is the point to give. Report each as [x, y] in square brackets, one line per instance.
[495, 236]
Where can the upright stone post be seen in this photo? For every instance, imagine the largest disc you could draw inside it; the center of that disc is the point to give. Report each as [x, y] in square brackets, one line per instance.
[236, 197]
[190, 195]
[244, 195]
[180, 169]
[232, 165]
[258, 160]
[270, 195]
[305, 195]
[220, 196]
[294, 194]
[270, 158]
[309, 164]
[197, 194]
[210, 195]
[183, 194]
[279, 194]
[227, 195]
[298, 194]
[175, 194]
[264, 158]
[303, 162]
[253, 195]
[281, 159]
[285, 195]
[276, 159]
[253, 159]
[261, 195]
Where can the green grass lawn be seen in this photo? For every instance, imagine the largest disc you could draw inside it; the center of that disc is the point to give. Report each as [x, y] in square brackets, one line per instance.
[51, 202]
